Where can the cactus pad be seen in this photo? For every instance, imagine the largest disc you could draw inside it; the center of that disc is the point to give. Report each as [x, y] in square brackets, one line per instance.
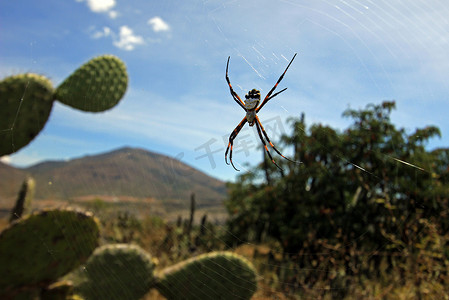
[38, 249]
[216, 275]
[97, 85]
[119, 271]
[25, 105]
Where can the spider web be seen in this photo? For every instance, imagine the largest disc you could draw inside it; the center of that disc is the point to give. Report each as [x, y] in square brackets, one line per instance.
[350, 53]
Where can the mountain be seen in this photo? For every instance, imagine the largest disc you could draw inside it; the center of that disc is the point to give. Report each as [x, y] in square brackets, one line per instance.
[10, 182]
[123, 174]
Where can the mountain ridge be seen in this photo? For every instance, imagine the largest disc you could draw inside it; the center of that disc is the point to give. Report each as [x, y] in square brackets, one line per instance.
[120, 173]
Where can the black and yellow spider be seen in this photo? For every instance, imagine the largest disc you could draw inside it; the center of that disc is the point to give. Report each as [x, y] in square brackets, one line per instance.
[251, 107]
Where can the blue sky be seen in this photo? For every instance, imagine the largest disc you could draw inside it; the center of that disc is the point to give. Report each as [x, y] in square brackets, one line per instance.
[350, 53]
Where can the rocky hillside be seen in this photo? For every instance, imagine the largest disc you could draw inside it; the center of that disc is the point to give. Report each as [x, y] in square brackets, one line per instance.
[126, 173]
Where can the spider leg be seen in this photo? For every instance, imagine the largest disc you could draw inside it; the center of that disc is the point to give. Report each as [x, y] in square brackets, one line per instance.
[268, 140]
[268, 96]
[233, 93]
[274, 95]
[231, 142]
[265, 145]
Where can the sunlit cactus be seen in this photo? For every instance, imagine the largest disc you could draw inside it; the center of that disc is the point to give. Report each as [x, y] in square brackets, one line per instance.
[97, 85]
[26, 100]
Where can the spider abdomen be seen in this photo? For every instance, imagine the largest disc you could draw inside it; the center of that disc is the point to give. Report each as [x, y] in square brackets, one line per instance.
[251, 117]
[252, 100]
[251, 103]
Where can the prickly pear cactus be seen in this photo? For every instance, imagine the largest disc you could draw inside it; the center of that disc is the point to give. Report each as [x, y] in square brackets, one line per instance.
[23, 202]
[39, 248]
[216, 275]
[96, 86]
[116, 272]
[26, 100]
[25, 105]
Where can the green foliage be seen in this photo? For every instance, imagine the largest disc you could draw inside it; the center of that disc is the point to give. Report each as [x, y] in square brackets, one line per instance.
[98, 205]
[221, 275]
[26, 100]
[120, 226]
[25, 104]
[23, 202]
[371, 188]
[359, 182]
[39, 248]
[97, 85]
[118, 271]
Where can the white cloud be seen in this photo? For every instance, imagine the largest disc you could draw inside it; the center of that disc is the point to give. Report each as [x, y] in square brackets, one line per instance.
[113, 14]
[127, 39]
[99, 34]
[101, 6]
[158, 24]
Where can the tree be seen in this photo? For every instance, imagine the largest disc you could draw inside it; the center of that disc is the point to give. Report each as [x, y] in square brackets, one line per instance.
[372, 180]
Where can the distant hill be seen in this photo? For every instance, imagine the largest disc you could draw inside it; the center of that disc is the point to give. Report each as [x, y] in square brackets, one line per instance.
[10, 182]
[126, 173]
